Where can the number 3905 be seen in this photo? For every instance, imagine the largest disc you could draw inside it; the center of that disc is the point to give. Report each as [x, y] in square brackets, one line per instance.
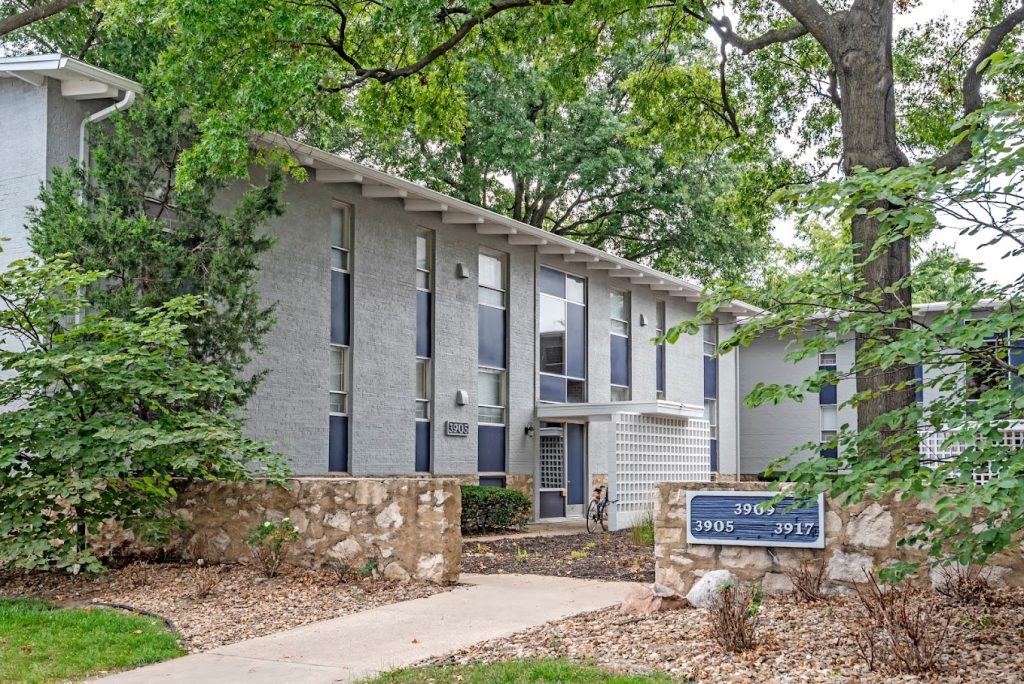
[713, 526]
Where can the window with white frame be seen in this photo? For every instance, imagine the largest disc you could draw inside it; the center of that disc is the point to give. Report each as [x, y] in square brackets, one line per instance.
[491, 396]
[492, 285]
[424, 259]
[710, 338]
[711, 415]
[619, 325]
[826, 359]
[829, 423]
[341, 262]
[341, 238]
[422, 389]
[338, 380]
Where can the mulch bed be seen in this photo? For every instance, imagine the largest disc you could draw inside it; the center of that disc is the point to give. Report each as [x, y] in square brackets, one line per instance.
[241, 604]
[607, 556]
[798, 643]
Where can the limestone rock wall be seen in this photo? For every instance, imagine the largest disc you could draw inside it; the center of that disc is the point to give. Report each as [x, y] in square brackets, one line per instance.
[409, 526]
[857, 538]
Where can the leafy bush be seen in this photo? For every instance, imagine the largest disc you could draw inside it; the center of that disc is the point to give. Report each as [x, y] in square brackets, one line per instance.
[901, 628]
[734, 616]
[102, 415]
[494, 508]
[269, 542]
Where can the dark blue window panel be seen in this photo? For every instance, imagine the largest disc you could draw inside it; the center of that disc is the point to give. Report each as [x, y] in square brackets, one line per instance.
[491, 328]
[576, 466]
[827, 395]
[552, 388]
[1017, 359]
[552, 282]
[576, 344]
[492, 482]
[490, 449]
[714, 455]
[620, 360]
[337, 445]
[919, 383]
[830, 452]
[340, 305]
[422, 447]
[710, 377]
[659, 367]
[423, 326]
[552, 504]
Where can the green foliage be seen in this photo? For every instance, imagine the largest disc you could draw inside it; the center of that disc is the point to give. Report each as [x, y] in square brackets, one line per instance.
[156, 242]
[514, 672]
[42, 643]
[494, 508]
[971, 350]
[269, 543]
[103, 415]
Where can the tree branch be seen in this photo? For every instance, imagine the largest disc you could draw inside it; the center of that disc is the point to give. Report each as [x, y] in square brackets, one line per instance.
[971, 86]
[36, 13]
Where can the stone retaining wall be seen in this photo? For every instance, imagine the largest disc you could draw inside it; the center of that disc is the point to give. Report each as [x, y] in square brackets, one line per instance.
[409, 526]
[857, 538]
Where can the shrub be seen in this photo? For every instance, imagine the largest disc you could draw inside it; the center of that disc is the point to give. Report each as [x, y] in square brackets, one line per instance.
[734, 616]
[807, 581]
[494, 508]
[966, 585]
[269, 542]
[901, 628]
[643, 531]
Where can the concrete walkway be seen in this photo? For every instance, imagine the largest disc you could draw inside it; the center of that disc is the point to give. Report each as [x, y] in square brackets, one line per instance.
[355, 646]
[541, 529]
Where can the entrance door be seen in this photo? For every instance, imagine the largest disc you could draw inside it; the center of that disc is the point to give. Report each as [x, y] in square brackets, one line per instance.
[563, 469]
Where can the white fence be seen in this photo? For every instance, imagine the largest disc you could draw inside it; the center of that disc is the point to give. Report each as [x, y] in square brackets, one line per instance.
[934, 450]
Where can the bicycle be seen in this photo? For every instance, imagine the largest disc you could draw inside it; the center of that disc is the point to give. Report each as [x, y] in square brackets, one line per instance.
[597, 511]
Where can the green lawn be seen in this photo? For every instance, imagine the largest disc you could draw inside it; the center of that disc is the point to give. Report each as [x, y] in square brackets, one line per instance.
[513, 672]
[41, 643]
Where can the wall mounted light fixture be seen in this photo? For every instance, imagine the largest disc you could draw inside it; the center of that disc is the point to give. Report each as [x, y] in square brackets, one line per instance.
[528, 430]
[461, 271]
[461, 397]
[643, 321]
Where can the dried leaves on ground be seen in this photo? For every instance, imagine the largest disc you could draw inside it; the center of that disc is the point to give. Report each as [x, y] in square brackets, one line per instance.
[797, 643]
[219, 604]
[609, 556]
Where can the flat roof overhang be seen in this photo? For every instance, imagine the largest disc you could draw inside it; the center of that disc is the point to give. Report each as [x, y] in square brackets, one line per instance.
[606, 411]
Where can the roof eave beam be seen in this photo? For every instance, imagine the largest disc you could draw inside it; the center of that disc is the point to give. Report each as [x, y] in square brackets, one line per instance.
[383, 191]
[337, 176]
[418, 204]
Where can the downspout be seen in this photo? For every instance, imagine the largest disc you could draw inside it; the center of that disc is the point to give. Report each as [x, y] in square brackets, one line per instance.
[739, 407]
[124, 103]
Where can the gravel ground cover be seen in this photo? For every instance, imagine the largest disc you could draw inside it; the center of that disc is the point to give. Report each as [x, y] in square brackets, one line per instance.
[240, 605]
[609, 556]
[799, 643]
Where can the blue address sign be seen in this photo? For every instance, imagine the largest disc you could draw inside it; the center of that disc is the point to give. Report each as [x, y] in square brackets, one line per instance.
[747, 519]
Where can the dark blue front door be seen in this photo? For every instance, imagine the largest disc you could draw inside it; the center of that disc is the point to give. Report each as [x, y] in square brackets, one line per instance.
[576, 469]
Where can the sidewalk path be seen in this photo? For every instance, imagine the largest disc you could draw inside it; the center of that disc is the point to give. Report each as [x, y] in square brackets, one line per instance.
[355, 646]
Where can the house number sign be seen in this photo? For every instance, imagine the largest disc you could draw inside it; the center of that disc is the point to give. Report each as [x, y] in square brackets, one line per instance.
[747, 519]
[454, 428]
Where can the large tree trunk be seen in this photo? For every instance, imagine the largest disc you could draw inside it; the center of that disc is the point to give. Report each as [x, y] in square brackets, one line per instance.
[863, 63]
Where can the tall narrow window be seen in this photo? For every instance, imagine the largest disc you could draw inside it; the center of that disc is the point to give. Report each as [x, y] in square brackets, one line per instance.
[424, 344]
[659, 350]
[619, 324]
[341, 337]
[828, 401]
[563, 337]
[492, 359]
[711, 386]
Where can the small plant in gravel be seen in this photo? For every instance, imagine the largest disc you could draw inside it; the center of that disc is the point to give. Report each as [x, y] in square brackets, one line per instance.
[205, 579]
[578, 554]
[590, 546]
[808, 579]
[522, 554]
[482, 548]
[901, 629]
[269, 543]
[343, 572]
[734, 614]
[369, 568]
[965, 585]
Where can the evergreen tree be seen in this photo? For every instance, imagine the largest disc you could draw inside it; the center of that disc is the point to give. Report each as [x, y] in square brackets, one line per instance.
[124, 215]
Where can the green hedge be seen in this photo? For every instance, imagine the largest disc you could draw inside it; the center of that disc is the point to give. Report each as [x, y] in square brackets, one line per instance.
[494, 508]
